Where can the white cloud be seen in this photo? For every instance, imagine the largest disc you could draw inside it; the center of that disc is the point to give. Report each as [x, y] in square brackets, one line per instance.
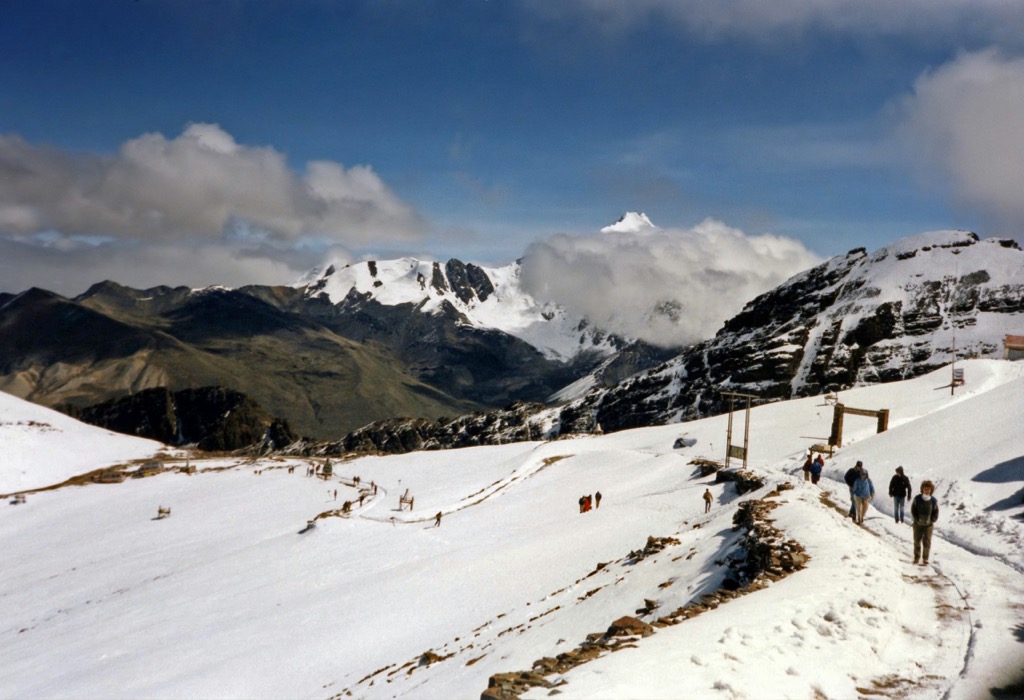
[194, 186]
[667, 286]
[784, 20]
[964, 119]
[70, 265]
[196, 210]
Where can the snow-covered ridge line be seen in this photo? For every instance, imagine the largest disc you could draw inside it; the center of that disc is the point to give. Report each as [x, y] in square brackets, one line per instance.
[485, 297]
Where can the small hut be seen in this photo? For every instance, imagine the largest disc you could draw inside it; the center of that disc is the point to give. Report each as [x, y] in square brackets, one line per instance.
[1013, 347]
[148, 469]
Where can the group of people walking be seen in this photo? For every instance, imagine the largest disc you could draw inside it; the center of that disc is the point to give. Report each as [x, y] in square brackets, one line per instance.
[812, 468]
[588, 502]
[924, 508]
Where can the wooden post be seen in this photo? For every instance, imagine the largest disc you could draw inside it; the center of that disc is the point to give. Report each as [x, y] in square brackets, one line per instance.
[746, 434]
[836, 438]
[728, 433]
[883, 420]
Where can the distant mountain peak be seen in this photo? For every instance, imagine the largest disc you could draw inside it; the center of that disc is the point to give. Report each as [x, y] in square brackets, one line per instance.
[630, 222]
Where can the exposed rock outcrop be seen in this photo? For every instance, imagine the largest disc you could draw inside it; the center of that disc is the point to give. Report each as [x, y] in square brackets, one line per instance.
[212, 418]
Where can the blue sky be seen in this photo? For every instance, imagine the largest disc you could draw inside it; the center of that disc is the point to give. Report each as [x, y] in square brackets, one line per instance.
[473, 128]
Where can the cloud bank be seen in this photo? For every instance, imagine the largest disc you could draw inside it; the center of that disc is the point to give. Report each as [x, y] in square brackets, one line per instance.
[666, 286]
[160, 200]
[963, 123]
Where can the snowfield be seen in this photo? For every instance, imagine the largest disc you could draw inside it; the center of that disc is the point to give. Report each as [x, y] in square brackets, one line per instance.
[40, 447]
[233, 595]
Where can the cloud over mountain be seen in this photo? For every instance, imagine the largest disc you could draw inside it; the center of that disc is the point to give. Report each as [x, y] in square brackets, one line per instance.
[667, 286]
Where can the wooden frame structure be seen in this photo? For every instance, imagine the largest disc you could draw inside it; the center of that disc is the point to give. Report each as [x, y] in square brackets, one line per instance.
[732, 450]
[406, 500]
[836, 438]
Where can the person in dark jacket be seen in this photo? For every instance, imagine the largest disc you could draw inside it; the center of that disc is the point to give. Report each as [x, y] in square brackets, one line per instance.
[807, 468]
[924, 511]
[899, 490]
[852, 474]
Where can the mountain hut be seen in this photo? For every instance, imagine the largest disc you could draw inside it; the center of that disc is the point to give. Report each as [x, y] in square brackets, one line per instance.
[1013, 347]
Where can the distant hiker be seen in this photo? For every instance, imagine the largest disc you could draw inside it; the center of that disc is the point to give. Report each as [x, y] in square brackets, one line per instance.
[362, 495]
[924, 511]
[850, 478]
[356, 480]
[335, 494]
[597, 499]
[346, 507]
[374, 485]
[707, 500]
[587, 502]
[899, 490]
[807, 467]
[816, 467]
[863, 492]
[437, 519]
[582, 501]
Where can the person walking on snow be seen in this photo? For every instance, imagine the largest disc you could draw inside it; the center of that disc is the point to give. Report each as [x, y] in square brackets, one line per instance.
[851, 478]
[583, 499]
[707, 500]
[899, 490]
[597, 499]
[863, 492]
[807, 467]
[816, 468]
[924, 511]
[437, 519]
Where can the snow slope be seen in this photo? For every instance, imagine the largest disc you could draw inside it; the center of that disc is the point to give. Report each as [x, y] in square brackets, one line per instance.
[40, 447]
[233, 597]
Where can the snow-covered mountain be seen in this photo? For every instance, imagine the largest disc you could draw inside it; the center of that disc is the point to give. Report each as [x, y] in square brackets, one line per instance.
[856, 319]
[630, 222]
[334, 352]
[773, 593]
[484, 298]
